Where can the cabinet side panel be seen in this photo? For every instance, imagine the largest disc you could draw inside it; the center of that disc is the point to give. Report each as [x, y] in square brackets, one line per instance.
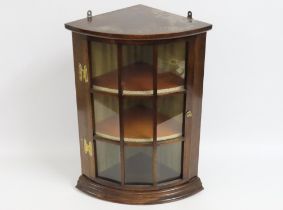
[196, 57]
[84, 104]
[197, 90]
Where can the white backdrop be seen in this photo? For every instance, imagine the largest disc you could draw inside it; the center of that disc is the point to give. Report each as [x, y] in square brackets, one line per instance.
[241, 152]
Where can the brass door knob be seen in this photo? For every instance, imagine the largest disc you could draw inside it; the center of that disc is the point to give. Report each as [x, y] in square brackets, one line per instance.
[189, 114]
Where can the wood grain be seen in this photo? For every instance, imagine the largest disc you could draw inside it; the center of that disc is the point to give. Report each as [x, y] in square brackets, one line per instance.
[84, 105]
[155, 115]
[121, 113]
[138, 22]
[145, 121]
[197, 91]
[143, 196]
[196, 53]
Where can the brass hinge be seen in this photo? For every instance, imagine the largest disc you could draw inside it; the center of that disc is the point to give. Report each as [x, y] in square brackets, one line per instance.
[87, 147]
[83, 74]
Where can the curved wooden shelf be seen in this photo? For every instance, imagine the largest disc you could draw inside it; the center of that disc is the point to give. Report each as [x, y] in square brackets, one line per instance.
[137, 80]
[138, 143]
[138, 126]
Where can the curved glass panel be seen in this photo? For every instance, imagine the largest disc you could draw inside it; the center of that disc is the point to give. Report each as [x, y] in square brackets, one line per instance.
[137, 70]
[170, 116]
[138, 111]
[138, 119]
[138, 165]
[106, 114]
[104, 67]
[108, 161]
[169, 161]
[171, 67]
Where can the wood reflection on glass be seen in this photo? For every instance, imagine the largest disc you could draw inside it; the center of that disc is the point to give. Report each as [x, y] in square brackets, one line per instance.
[106, 109]
[171, 67]
[170, 116]
[138, 119]
[137, 70]
[104, 67]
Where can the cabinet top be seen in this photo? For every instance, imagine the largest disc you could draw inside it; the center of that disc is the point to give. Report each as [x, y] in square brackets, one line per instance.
[138, 22]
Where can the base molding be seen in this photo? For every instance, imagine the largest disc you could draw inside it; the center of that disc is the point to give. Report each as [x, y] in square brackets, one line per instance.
[132, 196]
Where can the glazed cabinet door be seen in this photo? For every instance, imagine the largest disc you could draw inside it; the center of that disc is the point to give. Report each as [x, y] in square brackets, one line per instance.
[139, 97]
[84, 104]
[143, 105]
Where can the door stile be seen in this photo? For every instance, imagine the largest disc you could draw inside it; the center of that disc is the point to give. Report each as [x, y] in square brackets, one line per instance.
[121, 111]
[154, 155]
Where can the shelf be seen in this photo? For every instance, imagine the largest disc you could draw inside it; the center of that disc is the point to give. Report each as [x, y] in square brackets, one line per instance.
[138, 126]
[138, 80]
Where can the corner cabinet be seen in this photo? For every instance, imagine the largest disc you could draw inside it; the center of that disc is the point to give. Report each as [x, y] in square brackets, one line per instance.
[139, 78]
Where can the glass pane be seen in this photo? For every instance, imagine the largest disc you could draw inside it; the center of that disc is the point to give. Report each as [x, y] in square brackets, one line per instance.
[108, 160]
[171, 67]
[138, 119]
[137, 69]
[104, 67]
[106, 112]
[138, 165]
[169, 160]
[170, 116]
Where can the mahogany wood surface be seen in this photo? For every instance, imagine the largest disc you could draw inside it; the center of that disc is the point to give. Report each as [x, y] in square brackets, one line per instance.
[138, 22]
[140, 25]
[155, 114]
[135, 196]
[196, 54]
[196, 102]
[84, 104]
[121, 112]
